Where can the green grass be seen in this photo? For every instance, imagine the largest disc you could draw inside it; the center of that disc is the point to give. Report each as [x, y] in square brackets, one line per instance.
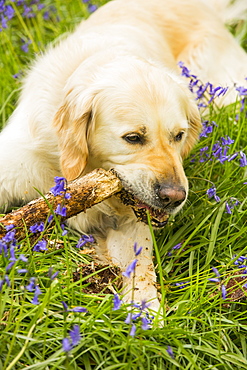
[203, 330]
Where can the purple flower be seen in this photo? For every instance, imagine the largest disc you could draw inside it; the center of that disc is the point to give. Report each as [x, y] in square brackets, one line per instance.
[137, 251]
[228, 209]
[212, 193]
[6, 281]
[243, 159]
[52, 275]
[145, 323]
[50, 218]
[65, 232]
[92, 8]
[116, 302]
[37, 292]
[25, 46]
[227, 141]
[130, 268]
[78, 309]
[65, 306]
[40, 246]
[128, 319]
[31, 286]
[84, 239]
[181, 284]
[9, 227]
[170, 351]
[12, 253]
[215, 270]
[223, 291]
[133, 330]
[60, 210]
[10, 265]
[214, 280]
[232, 157]
[38, 227]
[22, 271]
[23, 258]
[10, 237]
[67, 346]
[75, 335]
[60, 186]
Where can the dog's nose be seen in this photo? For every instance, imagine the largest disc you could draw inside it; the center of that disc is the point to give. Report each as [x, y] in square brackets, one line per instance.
[171, 195]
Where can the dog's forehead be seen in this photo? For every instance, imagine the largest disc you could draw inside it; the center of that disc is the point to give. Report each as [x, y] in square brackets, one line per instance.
[144, 115]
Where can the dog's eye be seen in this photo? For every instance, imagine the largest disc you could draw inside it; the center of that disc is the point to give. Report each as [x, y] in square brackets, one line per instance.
[179, 136]
[133, 138]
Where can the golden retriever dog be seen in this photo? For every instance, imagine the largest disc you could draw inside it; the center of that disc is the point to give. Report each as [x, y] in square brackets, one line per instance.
[111, 96]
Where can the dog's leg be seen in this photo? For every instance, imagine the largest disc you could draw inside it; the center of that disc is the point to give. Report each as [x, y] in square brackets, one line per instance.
[23, 167]
[120, 245]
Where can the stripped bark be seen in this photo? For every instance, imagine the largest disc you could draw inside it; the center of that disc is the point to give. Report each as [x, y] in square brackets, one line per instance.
[85, 192]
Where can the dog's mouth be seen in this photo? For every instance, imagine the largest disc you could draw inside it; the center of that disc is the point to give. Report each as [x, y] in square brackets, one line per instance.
[158, 217]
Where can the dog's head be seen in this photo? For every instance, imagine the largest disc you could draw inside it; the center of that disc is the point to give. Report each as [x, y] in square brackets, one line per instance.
[138, 119]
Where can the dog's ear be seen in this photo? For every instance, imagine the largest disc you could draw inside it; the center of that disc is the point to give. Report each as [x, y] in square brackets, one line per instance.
[71, 122]
[195, 127]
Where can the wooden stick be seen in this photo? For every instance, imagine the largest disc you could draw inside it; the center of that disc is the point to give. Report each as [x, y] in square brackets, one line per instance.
[85, 192]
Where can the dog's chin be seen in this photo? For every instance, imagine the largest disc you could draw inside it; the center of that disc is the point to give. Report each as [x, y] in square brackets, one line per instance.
[158, 217]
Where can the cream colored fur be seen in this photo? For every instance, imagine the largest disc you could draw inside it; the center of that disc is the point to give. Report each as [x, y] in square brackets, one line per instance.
[117, 74]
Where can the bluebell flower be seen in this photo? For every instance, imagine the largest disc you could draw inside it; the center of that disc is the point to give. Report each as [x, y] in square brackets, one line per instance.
[9, 227]
[6, 281]
[212, 193]
[228, 208]
[232, 157]
[181, 284]
[78, 309]
[215, 270]
[223, 291]
[38, 227]
[226, 140]
[65, 232]
[92, 8]
[52, 275]
[50, 218]
[137, 251]
[9, 266]
[25, 46]
[23, 258]
[145, 323]
[37, 292]
[133, 330]
[61, 210]
[170, 351]
[214, 280]
[9, 237]
[41, 246]
[65, 306]
[75, 335]
[73, 340]
[12, 253]
[116, 302]
[22, 271]
[243, 159]
[67, 346]
[130, 268]
[128, 319]
[84, 239]
[60, 186]
[31, 286]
